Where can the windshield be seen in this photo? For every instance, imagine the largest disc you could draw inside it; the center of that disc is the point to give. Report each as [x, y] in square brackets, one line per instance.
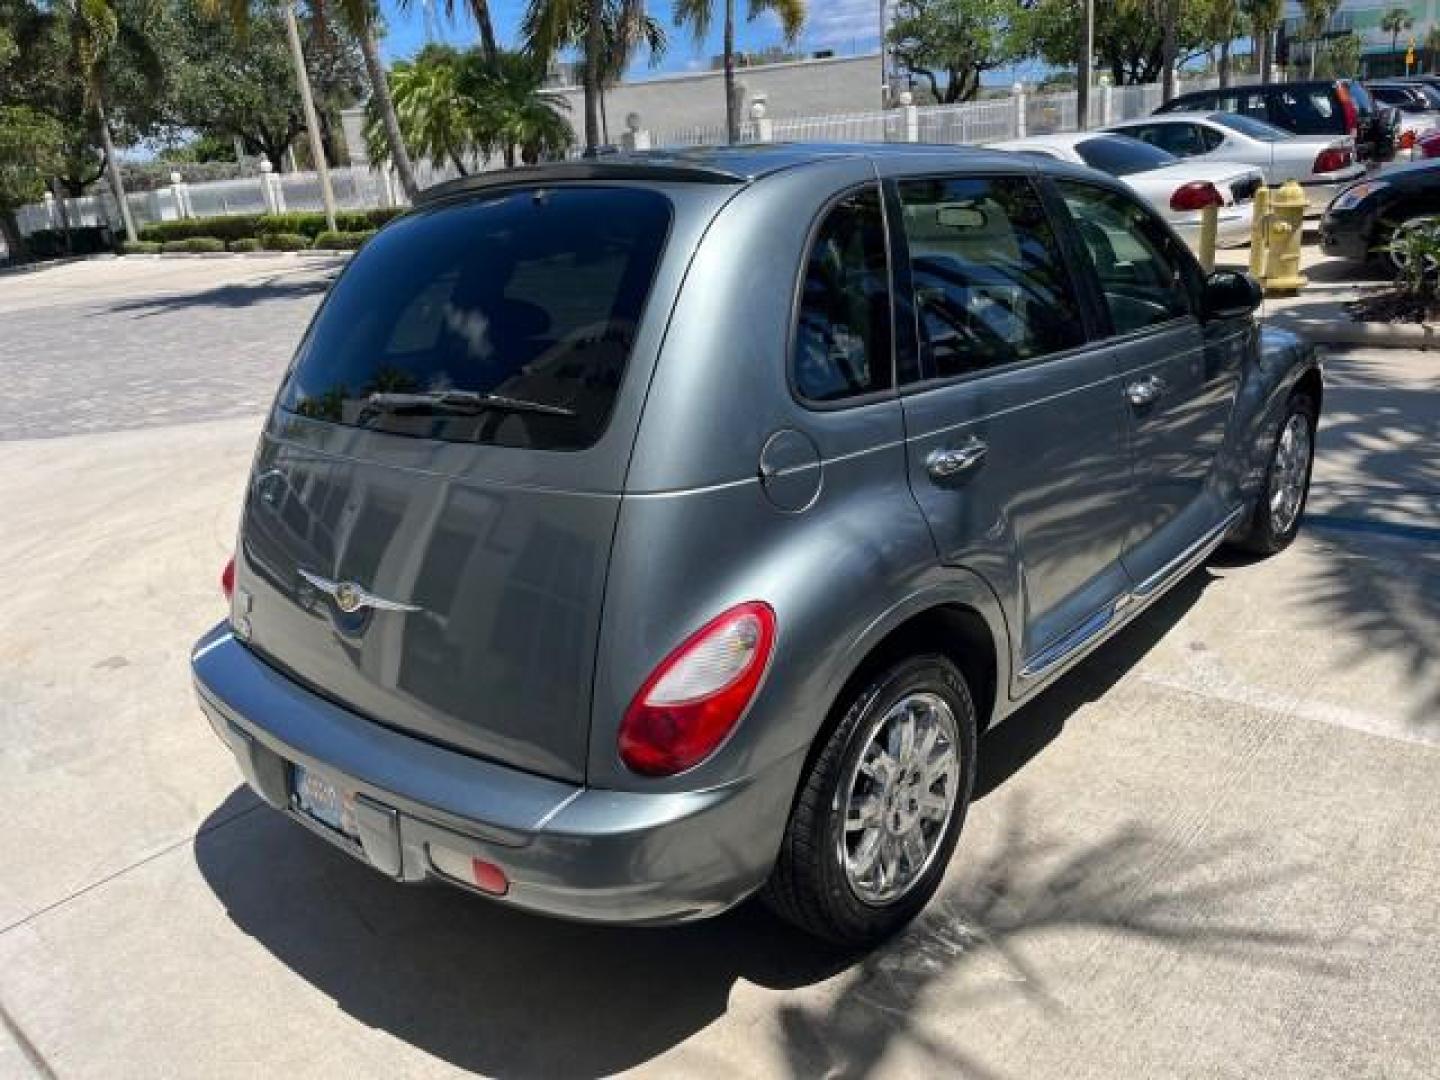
[1119, 155]
[1247, 125]
[507, 319]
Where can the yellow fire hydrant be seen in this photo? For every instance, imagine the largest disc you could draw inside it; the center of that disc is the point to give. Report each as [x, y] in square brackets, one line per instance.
[1275, 237]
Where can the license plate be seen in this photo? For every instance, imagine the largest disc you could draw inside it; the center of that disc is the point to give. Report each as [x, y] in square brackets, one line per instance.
[320, 799]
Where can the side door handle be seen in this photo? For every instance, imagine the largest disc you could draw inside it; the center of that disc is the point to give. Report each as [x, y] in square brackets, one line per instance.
[944, 463]
[1144, 391]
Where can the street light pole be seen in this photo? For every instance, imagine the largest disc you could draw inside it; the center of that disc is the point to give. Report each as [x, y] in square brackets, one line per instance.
[884, 58]
[312, 119]
[1082, 73]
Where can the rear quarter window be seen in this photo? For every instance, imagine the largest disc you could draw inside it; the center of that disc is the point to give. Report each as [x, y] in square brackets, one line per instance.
[507, 319]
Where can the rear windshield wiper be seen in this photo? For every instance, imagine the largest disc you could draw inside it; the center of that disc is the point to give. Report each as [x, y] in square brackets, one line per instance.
[464, 402]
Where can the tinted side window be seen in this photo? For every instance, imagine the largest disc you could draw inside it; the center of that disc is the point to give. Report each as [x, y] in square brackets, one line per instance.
[991, 286]
[842, 335]
[1145, 278]
[1307, 112]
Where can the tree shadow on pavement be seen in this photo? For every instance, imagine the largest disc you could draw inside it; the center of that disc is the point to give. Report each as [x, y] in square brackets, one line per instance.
[279, 287]
[492, 990]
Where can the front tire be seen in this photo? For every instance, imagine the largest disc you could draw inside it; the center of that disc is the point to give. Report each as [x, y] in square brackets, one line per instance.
[881, 806]
[1275, 520]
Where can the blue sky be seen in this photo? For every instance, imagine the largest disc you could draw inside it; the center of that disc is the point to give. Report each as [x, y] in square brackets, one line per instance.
[847, 26]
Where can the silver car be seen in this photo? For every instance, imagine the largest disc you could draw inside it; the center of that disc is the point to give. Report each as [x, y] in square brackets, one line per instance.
[633, 536]
[1323, 165]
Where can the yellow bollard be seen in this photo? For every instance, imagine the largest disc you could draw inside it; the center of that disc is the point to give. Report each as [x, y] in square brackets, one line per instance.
[1285, 230]
[1209, 226]
[1258, 235]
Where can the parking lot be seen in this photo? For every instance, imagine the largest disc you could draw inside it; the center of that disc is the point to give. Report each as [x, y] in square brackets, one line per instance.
[1210, 851]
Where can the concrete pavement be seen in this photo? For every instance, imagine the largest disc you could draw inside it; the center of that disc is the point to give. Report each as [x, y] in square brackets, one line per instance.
[1208, 852]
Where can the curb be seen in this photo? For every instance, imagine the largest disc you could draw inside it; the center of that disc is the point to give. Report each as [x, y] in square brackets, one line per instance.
[1375, 335]
[46, 264]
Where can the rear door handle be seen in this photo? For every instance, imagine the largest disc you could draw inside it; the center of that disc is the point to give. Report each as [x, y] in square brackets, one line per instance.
[945, 463]
[1144, 391]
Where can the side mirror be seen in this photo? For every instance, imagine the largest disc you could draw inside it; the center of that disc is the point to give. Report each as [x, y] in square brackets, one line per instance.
[1230, 294]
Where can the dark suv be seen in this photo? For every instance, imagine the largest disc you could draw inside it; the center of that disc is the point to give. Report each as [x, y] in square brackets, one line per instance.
[1319, 107]
[632, 536]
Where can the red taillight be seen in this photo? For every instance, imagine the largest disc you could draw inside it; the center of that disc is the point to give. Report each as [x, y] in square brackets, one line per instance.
[1196, 195]
[1407, 140]
[227, 579]
[1332, 159]
[1347, 106]
[697, 695]
[488, 877]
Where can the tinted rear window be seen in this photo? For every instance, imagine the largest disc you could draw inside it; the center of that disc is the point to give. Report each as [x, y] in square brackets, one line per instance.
[1248, 125]
[1119, 155]
[522, 305]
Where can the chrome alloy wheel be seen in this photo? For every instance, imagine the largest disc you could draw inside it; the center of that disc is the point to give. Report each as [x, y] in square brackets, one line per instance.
[1289, 473]
[899, 798]
[1398, 249]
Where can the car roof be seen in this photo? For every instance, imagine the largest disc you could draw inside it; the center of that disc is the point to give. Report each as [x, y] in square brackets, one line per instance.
[1165, 118]
[739, 164]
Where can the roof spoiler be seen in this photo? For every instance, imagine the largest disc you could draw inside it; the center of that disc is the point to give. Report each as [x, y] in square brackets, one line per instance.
[606, 167]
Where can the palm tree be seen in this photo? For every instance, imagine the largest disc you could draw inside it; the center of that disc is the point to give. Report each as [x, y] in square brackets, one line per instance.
[95, 27]
[1395, 22]
[362, 18]
[515, 114]
[1224, 27]
[436, 121]
[1264, 16]
[1432, 46]
[1317, 14]
[1168, 14]
[480, 12]
[609, 31]
[696, 14]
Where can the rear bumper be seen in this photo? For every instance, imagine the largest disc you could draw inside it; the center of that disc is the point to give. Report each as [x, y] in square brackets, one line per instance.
[574, 852]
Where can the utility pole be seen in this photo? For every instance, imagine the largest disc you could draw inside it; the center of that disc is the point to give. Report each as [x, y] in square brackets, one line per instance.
[1082, 71]
[312, 119]
[884, 59]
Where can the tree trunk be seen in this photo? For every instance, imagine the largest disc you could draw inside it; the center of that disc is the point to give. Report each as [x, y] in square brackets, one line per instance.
[1265, 42]
[380, 89]
[481, 10]
[604, 117]
[312, 121]
[732, 117]
[1169, 17]
[10, 230]
[594, 54]
[112, 167]
[1224, 69]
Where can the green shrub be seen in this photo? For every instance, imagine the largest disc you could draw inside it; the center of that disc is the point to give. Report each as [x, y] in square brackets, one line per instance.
[284, 241]
[139, 247]
[83, 240]
[194, 245]
[342, 241]
[233, 227]
[229, 227]
[249, 243]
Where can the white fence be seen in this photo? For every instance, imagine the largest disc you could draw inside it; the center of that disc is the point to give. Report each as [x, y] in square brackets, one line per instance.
[360, 187]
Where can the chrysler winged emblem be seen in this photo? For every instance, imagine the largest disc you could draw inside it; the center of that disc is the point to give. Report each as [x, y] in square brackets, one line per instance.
[351, 598]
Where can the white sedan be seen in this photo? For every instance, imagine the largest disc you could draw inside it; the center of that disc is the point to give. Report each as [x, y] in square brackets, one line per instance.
[1178, 189]
[1321, 164]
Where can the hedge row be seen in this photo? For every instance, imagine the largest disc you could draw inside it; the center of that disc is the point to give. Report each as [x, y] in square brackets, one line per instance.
[342, 241]
[233, 227]
[284, 241]
[195, 245]
[52, 244]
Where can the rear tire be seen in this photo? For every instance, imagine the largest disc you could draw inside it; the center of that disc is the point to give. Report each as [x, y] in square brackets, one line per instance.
[872, 798]
[1275, 519]
[1394, 248]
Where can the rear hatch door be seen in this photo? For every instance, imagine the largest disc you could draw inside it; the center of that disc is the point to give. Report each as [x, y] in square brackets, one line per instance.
[428, 523]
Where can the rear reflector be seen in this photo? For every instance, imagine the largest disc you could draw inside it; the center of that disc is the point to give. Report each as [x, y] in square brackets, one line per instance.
[1196, 195]
[227, 579]
[1333, 159]
[694, 699]
[485, 876]
[1348, 107]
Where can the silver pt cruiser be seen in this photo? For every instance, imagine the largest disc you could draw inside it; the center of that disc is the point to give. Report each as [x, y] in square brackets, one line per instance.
[632, 536]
